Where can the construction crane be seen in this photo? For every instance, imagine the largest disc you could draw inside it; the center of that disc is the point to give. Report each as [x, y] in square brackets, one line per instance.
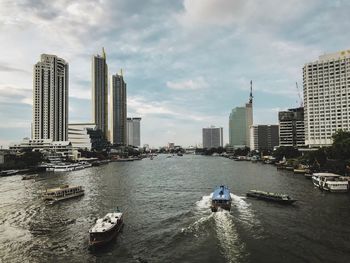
[300, 98]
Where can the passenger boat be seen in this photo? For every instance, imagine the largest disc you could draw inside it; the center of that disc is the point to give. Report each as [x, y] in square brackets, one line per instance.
[106, 228]
[8, 172]
[62, 193]
[29, 176]
[221, 198]
[330, 182]
[280, 198]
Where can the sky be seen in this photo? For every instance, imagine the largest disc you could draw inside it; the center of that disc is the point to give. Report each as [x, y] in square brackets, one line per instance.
[187, 63]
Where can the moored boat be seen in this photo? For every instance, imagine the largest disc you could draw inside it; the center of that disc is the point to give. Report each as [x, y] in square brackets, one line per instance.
[330, 182]
[62, 193]
[221, 198]
[8, 172]
[29, 176]
[105, 229]
[275, 197]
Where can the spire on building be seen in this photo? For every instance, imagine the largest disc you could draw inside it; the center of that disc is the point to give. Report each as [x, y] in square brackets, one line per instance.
[121, 72]
[251, 92]
[103, 53]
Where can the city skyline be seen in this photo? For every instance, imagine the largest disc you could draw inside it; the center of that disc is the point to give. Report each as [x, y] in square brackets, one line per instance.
[176, 56]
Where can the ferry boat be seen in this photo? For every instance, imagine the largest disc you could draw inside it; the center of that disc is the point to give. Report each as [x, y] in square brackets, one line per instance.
[221, 198]
[106, 229]
[280, 198]
[62, 193]
[330, 182]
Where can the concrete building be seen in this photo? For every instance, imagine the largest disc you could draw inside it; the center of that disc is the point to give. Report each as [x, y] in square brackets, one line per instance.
[100, 92]
[291, 127]
[133, 131]
[79, 136]
[118, 131]
[264, 137]
[326, 97]
[50, 99]
[212, 137]
[241, 118]
[44, 145]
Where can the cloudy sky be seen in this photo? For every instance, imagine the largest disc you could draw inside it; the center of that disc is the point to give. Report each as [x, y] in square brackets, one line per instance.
[187, 63]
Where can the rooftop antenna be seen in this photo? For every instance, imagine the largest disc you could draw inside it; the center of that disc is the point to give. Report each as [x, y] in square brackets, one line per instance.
[121, 72]
[251, 92]
[103, 53]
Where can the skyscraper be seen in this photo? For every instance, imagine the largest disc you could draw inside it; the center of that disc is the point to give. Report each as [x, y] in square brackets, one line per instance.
[241, 118]
[133, 131]
[100, 92]
[50, 99]
[212, 137]
[118, 110]
[326, 97]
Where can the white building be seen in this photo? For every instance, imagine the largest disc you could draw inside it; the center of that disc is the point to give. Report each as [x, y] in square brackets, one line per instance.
[100, 92]
[212, 137]
[326, 97]
[133, 131]
[59, 147]
[50, 99]
[78, 135]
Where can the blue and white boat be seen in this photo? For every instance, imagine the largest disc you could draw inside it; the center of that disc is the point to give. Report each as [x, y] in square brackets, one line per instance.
[221, 198]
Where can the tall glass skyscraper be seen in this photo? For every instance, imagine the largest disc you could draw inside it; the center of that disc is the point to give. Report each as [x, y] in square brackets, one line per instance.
[241, 118]
[118, 110]
[50, 99]
[100, 92]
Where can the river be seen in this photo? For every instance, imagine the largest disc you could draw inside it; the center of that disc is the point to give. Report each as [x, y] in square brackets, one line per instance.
[168, 218]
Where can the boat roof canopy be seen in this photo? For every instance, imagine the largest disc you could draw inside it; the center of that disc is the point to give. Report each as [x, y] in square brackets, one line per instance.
[221, 193]
[326, 175]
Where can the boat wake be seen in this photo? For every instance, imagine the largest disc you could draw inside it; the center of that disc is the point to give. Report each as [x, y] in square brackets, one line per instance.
[204, 203]
[232, 247]
[245, 213]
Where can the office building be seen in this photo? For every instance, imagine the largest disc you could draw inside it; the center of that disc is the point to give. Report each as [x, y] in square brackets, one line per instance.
[50, 99]
[133, 131]
[100, 92]
[212, 137]
[291, 127]
[264, 137]
[241, 118]
[326, 97]
[118, 131]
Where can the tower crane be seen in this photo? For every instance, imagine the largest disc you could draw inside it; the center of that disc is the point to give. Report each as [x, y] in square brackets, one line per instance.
[299, 95]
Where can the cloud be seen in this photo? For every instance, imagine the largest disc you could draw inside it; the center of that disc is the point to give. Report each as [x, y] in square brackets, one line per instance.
[191, 84]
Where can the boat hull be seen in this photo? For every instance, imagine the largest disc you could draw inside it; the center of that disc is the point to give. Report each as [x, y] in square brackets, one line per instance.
[215, 207]
[65, 197]
[269, 198]
[108, 236]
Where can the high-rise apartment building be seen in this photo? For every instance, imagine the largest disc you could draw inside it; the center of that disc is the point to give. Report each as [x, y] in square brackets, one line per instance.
[241, 118]
[263, 137]
[118, 132]
[326, 97]
[212, 137]
[50, 99]
[100, 92]
[133, 131]
[291, 131]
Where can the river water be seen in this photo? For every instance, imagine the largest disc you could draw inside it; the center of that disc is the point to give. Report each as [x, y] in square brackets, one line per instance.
[168, 218]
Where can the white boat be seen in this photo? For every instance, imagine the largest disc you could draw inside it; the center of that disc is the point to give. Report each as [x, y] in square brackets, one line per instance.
[67, 167]
[330, 182]
[62, 193]
[106, 228]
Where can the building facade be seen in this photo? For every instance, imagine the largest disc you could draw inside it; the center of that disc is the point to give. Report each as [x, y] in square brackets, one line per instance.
[326, 97]
[241, 118]
[118, 131]
[212, 137]
[50, 99]
[100, 92]
[264, 137]
[291, 127]
[134, 131]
